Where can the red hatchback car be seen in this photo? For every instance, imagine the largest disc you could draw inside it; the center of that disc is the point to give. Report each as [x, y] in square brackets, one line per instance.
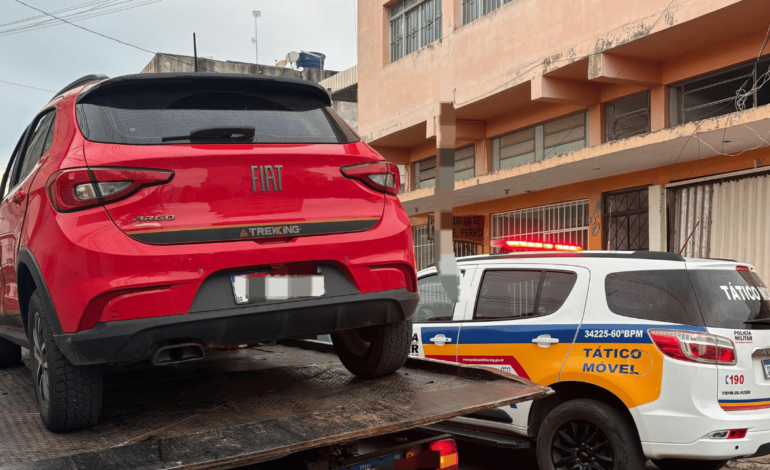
[156, 216]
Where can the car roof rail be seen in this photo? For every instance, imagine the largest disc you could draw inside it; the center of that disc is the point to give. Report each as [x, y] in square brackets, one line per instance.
[82, 81]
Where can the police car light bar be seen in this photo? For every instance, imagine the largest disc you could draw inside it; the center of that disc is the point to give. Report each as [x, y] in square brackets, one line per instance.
[510, 244]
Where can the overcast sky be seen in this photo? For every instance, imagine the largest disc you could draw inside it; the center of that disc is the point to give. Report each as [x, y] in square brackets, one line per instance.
[51, 58]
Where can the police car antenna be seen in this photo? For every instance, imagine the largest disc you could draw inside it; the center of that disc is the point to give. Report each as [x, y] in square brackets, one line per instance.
[195, 52]
[688, 237]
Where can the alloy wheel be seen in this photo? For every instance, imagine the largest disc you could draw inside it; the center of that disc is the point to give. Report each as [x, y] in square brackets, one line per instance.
[580, 445]
[41, 361]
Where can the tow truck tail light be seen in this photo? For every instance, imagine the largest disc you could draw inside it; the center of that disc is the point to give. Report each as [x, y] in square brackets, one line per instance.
[507, 245]
[448, 451]
[380, 176]
[694, 347]
[80, 188]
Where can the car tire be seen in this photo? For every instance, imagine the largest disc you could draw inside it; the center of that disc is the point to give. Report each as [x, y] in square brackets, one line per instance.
[682, 464]
[69, 397]
[374, 351]
[588, 434]
[10, 354]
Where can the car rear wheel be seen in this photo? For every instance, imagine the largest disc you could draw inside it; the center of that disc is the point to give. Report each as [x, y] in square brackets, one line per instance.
[10, 354]
[374, 351]
[682, 464]
[69, 397]
[588, 435]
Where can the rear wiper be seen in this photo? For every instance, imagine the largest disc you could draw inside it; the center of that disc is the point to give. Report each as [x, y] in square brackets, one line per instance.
[243, 132]
[757, 320]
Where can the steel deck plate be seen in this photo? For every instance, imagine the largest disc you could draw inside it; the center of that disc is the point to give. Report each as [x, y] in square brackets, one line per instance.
[240, 407]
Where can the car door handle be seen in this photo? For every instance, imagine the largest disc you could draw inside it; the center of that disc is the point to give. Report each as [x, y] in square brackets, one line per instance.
[545, 340]
[440, 340]
[18, 197]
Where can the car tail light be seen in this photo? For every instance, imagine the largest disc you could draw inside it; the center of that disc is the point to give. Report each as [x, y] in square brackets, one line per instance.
[695, 347]
[81, 188]
[380, 176]
[448, 451]
[742, 268]
[728, 434]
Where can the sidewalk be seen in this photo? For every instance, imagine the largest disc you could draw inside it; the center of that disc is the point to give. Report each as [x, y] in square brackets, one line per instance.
[759, 463]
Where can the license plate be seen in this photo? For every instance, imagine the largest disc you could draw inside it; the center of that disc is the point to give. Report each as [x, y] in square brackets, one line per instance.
[373, 463]
[766, 367]
[257, 286]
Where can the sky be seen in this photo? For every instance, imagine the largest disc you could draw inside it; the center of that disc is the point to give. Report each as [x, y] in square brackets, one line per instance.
[52, 57]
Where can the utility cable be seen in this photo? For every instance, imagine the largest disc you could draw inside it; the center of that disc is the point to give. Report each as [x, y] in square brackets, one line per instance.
[104, 35]
[27, 86]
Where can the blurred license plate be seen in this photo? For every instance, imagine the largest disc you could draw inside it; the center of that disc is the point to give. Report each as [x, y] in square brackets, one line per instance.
[373, 463]
[253, 287]
[766, 367]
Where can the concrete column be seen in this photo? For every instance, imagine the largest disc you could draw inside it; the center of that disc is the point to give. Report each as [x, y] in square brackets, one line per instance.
[595, 221]
[658, 108]
[483, 156]
[451, 16]
[657, 221]
[597, 130]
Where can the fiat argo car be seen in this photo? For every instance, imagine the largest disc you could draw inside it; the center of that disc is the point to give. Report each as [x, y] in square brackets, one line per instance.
[156, 216]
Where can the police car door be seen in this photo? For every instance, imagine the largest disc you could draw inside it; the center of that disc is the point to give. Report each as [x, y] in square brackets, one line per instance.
[524, 321]
[436, 321]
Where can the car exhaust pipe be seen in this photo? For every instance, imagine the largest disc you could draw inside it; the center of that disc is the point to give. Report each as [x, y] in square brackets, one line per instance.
[176, 353]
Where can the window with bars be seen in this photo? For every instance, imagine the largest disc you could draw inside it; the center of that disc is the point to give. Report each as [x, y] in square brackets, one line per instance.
[423, 248]
[474, 9]
[626, 224]
[465, 167]
[413, 24]
[628, 117]
[538, 143]
[715, 94]
[565, 222]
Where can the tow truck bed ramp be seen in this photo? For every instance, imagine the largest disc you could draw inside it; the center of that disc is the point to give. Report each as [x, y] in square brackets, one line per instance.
[242, 407]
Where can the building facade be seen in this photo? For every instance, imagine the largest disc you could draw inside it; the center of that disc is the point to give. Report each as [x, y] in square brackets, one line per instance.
[609, 124]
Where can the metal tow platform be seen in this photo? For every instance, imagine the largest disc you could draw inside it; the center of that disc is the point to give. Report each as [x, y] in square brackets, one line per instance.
[241, 407]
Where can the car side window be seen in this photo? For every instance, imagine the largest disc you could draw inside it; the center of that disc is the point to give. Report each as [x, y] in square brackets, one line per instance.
[38, 145]
[434, 303]
[8, 176]
[664, 295]
[512, 294]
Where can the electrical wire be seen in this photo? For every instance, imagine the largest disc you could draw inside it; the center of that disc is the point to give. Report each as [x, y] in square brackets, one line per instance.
[55, 11]
[26, 86]
[107, 37]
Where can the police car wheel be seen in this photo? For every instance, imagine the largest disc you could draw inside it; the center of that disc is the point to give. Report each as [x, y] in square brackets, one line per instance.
[681, 464]
[588, 435]
[374, 351]
[10, 354]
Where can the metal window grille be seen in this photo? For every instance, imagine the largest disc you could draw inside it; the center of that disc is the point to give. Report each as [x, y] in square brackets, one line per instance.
[423, 248]
[433, 292]
[628, 117]
[413, 24]
[425, 173]
[566, 223]
[627, 223]
[465, 163]
[474, 9]
[715, 94]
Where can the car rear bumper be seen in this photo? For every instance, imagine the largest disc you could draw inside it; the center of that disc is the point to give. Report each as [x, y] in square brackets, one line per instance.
[137, 339]
[756, 443]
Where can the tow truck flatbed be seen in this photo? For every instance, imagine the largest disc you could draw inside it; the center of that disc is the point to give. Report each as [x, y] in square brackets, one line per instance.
[243, 407]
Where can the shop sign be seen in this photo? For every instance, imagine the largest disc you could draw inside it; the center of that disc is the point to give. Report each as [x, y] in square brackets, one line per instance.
[465, 228]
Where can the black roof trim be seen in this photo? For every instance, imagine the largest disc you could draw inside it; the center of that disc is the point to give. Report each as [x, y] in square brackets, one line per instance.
[318, 90]
[82, 81]
[651, 255]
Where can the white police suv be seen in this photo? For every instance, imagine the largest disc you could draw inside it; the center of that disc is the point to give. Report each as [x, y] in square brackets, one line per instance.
[651, 355]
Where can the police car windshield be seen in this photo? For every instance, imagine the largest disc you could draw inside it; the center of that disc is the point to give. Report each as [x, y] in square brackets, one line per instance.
[732, 299]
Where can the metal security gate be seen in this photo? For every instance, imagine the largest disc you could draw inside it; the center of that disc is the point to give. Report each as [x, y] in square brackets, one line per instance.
[423, 248]
[627, 219]
[565, 222]
[728, 219]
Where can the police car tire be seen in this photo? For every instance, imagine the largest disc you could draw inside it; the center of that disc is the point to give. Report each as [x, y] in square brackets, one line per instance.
[619, 430]
[681, 464]
[10, 354]
[386, 352]
[73, 394]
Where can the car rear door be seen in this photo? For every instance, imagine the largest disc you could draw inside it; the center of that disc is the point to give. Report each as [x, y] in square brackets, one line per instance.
[730, 295]
[436, 321]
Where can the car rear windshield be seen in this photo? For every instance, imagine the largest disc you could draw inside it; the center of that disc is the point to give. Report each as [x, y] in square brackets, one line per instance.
[661, 295]
[729, 298]
[211, 111]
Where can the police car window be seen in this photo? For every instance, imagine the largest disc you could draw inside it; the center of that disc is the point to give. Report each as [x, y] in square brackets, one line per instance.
[555, 290]
[434, 304]
[663, 295]
[508, 294]
[729, 298]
